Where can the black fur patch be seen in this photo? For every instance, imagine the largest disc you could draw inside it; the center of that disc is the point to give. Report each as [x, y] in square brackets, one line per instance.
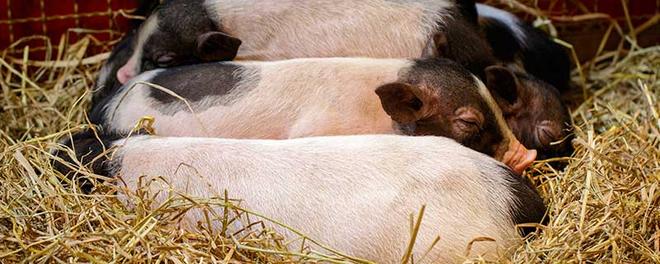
[529, 207]
[545, 59]
[468, 9]
[466, 46]
[88, 150]
[179, 25]
[502, 40]
[540, 55]
[196, 82]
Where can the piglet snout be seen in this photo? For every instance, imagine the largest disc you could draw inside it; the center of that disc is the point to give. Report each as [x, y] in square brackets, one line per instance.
[126, 72]
[518, 158]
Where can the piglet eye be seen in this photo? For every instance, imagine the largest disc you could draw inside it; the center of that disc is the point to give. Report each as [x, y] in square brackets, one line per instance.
[467, 124]
[547, 132]
[165, 59]
[467, 119]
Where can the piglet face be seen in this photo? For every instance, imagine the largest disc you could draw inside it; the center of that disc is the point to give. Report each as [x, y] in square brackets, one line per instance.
[438, 97]
[179, 33]
[533, 110]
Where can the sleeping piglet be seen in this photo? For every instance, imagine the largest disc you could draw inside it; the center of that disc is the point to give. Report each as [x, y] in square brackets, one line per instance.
[540, 68]
[353, 193]
[192, 31]
[315, 97]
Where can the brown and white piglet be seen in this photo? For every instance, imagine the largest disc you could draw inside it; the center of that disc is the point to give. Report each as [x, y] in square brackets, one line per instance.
[533, 110]
[316, 97]
[353, 193]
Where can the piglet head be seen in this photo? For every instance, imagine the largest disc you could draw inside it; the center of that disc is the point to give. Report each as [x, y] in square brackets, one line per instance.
[438, 97]
[533, 110]
[178, 33]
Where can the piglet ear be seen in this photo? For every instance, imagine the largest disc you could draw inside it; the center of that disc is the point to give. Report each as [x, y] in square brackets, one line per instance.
[503, 85]
[217, 46]
[401, 101]
[436, 46]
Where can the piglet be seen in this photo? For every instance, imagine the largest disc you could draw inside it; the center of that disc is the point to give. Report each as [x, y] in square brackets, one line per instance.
[184, 32]
[536, 69]
[354, 193]
[316, 97]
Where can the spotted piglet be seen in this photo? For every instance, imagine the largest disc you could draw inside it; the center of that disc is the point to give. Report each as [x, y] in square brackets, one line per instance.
[316, 97]
[184, 32]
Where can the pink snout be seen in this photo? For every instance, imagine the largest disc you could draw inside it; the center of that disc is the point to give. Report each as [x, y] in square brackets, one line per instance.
[127, 71]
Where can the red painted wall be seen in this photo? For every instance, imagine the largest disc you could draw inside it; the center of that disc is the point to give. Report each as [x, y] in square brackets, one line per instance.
[53, 18]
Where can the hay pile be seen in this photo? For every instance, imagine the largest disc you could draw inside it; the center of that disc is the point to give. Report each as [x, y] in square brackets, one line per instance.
[604, 206]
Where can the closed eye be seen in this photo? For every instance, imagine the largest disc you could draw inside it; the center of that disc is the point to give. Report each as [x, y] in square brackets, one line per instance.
[466, 124]
[165, 60]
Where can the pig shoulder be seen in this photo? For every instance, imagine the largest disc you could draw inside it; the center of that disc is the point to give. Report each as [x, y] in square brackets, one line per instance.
[168, 91]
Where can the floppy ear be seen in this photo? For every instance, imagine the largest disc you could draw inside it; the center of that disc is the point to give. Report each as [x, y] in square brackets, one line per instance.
[403, 102]
[217, 46]
[503, 85]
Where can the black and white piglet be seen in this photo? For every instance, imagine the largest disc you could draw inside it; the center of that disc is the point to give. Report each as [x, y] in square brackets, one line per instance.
[192, 31]
[316, 97]
[541, 67]
[344, 189]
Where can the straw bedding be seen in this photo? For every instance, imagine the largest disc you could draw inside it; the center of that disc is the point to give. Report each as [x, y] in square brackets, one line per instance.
[604, 206]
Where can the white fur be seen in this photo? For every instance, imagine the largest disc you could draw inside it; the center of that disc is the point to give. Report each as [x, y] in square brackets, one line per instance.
[354, 193]
[147, 29]
[284, 29]
[505, 17]
[276, 100]
[499, 116]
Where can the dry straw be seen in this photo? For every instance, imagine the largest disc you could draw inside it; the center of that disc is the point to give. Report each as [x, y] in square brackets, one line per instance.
[603, 207]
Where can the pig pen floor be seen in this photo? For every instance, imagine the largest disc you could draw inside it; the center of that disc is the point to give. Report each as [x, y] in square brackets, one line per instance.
[604, 206]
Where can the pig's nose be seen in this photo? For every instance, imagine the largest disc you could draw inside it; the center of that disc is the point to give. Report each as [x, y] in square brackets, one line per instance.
[518, 158]
[124, 74]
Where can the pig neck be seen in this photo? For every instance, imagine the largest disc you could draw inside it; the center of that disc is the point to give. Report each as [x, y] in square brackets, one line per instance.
[282, 29]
